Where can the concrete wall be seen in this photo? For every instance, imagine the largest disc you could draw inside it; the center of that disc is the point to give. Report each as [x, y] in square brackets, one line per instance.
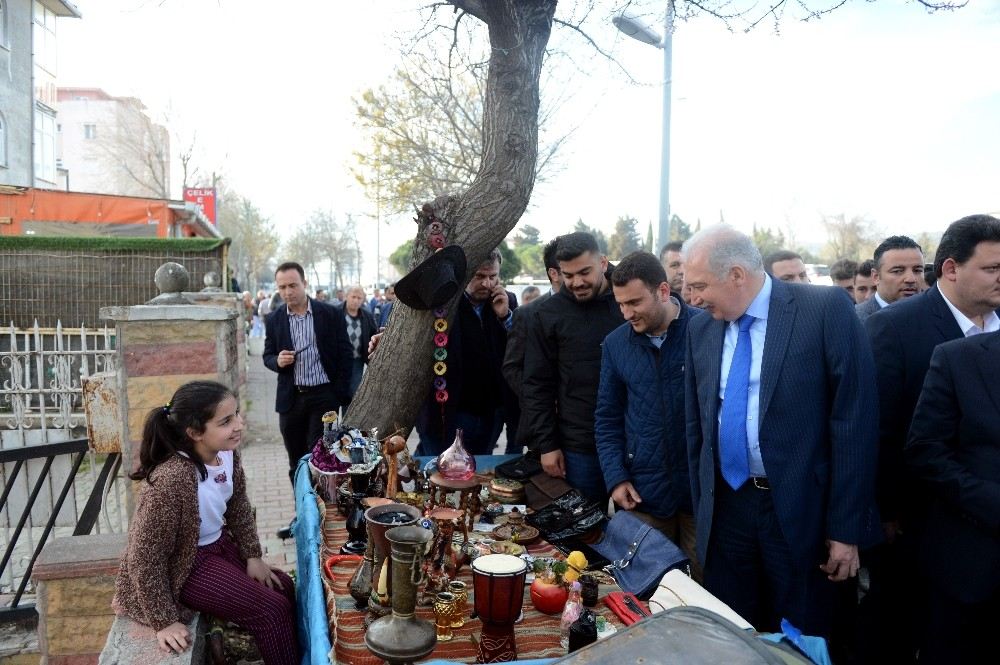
[16, 98]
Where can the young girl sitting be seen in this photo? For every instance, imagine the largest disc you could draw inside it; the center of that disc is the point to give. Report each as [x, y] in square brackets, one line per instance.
[193, 542]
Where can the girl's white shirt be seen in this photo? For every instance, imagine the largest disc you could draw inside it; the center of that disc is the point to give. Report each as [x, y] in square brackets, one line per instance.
[213, 495]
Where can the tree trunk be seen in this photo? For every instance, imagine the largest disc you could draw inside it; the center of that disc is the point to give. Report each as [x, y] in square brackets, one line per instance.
[399, 375]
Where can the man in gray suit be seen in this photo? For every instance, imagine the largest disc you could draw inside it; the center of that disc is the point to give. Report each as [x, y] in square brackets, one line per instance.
[899, 273]
[782, 431]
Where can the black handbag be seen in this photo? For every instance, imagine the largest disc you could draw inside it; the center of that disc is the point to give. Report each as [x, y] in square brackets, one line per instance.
[640, 554]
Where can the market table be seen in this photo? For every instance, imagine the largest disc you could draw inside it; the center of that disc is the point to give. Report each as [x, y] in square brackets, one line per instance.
[537, 634]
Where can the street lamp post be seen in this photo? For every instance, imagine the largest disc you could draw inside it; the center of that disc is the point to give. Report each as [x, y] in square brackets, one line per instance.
[637, 29]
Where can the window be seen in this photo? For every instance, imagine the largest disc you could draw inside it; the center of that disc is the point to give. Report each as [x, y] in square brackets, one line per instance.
[3, 141]
[90, 131]
[44, 54]
[45, 145]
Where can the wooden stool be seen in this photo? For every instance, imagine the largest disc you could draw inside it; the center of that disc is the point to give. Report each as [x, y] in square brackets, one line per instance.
[468, 501]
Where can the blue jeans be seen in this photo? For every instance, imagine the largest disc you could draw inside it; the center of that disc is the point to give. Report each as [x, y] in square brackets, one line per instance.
[583, 472]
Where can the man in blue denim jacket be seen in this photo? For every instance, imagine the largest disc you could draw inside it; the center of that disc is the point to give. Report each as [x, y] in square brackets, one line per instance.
[639, 421]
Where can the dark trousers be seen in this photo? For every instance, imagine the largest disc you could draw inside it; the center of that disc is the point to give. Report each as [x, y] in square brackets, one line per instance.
[479, 434]
[890, 614]
[219, 585]
[302, 424]
[959, 633]
[749, 566]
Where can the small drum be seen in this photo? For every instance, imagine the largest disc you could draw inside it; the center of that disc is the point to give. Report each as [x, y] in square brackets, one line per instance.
[498, 586]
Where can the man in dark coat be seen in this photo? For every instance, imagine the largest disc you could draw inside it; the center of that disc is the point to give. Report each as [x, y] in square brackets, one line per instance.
[562, 366]
[361, 326]
[639, 422]
[307, 346]
[524, 318]
[954, 449]
[479, 400]
[781, 428]
[903, 338]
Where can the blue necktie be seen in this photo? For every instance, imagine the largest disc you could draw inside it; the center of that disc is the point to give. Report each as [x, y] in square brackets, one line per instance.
[733, 429]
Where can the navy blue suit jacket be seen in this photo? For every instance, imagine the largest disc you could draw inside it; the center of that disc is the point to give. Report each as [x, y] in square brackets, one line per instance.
[903, 337]
[335, 353]
[818, 419]
[954, 447]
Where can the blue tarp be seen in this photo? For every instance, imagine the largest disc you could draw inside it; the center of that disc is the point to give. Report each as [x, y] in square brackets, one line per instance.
[314, 631]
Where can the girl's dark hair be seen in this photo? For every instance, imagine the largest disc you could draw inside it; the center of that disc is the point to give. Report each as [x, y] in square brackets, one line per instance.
[165, 432]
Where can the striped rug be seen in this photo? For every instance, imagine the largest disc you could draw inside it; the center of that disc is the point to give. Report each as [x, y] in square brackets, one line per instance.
[537, 634]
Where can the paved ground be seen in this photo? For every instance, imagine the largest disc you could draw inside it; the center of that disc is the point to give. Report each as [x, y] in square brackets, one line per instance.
[266, 466]
[266, 463]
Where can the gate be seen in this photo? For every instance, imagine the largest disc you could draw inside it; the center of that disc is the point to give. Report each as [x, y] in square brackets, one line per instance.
[53, 485]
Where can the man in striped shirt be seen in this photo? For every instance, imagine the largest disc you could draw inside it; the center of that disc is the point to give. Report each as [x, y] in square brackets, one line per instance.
[307, 345]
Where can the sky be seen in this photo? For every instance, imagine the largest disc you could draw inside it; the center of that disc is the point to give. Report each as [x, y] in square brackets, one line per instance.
[878, 109]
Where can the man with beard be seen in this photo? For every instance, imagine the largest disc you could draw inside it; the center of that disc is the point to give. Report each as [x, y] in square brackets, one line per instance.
[562, 366]
[480, 400]
[639, 421]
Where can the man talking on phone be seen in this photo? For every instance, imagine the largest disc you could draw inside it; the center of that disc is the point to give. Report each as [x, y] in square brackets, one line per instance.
[479, 400]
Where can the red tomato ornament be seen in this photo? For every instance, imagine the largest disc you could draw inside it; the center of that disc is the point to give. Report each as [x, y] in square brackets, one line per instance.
[548, 598]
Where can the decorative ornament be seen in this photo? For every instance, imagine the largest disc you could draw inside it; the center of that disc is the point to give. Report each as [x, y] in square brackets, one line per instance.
[441, 339]
[440, 324]
[440, 368]
[440, 353]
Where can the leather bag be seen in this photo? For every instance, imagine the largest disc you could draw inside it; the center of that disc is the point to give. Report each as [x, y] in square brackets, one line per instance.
[640, 554]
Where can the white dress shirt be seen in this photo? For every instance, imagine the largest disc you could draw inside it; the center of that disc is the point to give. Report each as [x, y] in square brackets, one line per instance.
[758, 331]
[991, 322]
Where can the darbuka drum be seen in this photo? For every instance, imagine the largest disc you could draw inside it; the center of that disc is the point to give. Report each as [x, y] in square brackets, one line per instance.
[498, 587]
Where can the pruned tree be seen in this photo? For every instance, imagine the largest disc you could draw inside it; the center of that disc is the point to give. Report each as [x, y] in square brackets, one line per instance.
[479, 216]
[425, 128]
[602, 240]
[337, 243]
[528, 235]
[134, 151]
[767, 241]
[255, 241]
[848, 237]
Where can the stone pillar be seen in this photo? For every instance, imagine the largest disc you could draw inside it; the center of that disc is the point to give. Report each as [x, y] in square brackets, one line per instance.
[75, 580]
[160, 348]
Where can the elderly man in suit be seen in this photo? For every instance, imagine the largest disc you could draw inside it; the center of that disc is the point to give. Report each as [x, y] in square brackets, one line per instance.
[307, 345]
[781, 429]
[954, 449]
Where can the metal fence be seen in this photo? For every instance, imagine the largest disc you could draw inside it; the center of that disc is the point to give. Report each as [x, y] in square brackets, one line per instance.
[52, 485]
[69, 279]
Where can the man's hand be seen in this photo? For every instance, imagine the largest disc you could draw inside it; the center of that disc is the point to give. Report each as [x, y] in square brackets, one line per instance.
[554, 464]
[173, 638]
[843, 561]
[286, 358]
[373, 342]
[625, 495]
[498, 300]
[260, 571]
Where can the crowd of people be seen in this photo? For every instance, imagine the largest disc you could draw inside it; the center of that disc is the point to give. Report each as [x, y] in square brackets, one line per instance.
[788, 437]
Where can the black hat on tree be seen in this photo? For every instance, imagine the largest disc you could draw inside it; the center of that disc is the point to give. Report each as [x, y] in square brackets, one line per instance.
[435, 281]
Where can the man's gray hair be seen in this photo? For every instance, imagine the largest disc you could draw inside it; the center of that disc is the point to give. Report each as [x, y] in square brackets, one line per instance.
[726, 248]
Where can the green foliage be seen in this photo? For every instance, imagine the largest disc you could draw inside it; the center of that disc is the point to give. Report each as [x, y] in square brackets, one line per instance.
[402, 256]
[255, 242]
[532, 261]
[679, 229]
[649, 238]
[109, 244]
[625, 239]
[602, 240]
[528, 235]
[768, 241]
[511, 265]
[848, 238]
